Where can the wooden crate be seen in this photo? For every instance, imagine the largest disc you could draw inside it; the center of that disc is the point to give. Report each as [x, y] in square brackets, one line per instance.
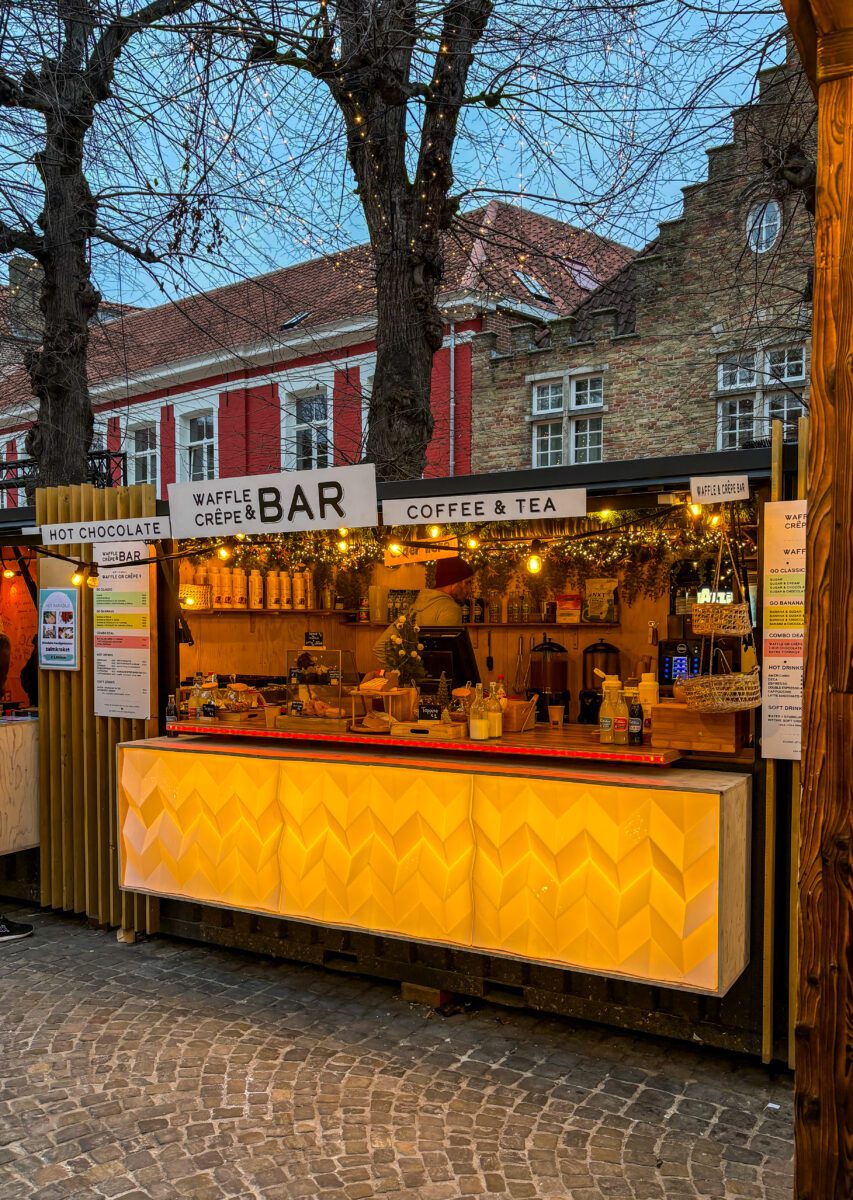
[435, 730]
[677, 727]
[296, 724]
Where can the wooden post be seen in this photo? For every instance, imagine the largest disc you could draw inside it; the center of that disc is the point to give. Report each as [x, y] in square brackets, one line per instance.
[824, 1023]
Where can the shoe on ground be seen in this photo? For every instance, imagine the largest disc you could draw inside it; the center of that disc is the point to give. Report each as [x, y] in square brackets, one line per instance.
[13, 931]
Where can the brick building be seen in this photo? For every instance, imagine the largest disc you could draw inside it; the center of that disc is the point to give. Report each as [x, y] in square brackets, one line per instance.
[697, 342]
[274, 372]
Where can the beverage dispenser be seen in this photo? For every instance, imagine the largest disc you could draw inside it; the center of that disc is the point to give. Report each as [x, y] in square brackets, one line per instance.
[549, 676]
[605, 657]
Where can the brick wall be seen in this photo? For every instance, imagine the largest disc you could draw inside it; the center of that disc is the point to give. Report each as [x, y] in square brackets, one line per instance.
[697, 294]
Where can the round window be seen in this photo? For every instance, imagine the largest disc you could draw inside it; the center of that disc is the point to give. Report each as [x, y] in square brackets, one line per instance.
[763, 225]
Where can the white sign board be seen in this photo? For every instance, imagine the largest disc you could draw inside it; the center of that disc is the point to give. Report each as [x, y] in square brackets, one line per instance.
[783, 628]
[122, 625]
[118, 530]
[711, 489]
[488, 506]
[288, 502]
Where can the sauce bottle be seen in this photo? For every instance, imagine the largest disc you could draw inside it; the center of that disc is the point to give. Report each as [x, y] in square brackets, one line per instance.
[495, 712]
[635, 722]
[605, 718]
[478, 718]
[620, 722]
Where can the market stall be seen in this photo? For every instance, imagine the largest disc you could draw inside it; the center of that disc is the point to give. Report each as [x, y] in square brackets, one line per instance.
[19, 774]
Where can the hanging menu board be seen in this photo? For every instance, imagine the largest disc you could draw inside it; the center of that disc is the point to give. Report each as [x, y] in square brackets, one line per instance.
[59, 629]
[784, 621]
[122, 624]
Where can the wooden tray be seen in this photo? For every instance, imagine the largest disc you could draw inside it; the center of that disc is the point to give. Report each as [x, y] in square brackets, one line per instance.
[430, 730]
[238, 718]
[358, 727]
[313, 724]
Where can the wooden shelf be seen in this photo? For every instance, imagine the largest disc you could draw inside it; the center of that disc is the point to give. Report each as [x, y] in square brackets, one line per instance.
[266, 612]
[503, 625]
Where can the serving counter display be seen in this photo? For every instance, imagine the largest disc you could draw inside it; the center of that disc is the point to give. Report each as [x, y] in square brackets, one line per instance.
[635, 872]
[19, 785]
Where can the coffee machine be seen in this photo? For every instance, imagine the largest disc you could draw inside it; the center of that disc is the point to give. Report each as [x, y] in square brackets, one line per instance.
[549, 677]
[605, 657]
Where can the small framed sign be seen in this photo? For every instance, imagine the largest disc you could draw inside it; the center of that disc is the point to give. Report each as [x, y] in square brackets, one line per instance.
[295, 707]
[315, 638]
[429, 710]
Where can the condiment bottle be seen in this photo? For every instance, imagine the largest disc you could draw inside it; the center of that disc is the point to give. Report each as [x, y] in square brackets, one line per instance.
[309, 589]
[635, 721]
[226, 585]
[620, 722]
[466, 611]
[256, 590]
[298, 590]
[478, 717]
[216, 588]
[239, 589]
[605, 718]
[479, 610]
[272, 596]
[285, 590]
[501, 690]
[171, 716]
[495, 712]
[648, 694]
[196, 697]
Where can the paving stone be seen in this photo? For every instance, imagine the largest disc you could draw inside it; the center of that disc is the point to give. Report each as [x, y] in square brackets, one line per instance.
[166, 1070]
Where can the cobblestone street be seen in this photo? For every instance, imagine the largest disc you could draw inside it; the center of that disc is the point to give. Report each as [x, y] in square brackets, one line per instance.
[168, 1070]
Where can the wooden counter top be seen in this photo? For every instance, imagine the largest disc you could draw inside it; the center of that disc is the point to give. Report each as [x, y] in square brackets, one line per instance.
[578, 742]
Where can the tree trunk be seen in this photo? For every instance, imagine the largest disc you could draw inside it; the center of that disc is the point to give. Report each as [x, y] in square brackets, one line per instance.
[61, 439]
[409, 331]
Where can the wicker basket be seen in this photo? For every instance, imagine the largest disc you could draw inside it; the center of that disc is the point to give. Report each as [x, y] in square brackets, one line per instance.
[725, 620]
[193, 596]
[734, 692]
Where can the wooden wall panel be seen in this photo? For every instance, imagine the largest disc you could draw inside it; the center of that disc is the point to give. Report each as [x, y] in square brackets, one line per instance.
[79, 868]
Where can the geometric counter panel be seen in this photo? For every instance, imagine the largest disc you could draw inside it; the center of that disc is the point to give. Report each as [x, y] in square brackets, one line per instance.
[647, 883]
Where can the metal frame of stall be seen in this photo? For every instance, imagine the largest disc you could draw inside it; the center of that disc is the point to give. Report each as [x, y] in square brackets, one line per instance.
[753, 1017]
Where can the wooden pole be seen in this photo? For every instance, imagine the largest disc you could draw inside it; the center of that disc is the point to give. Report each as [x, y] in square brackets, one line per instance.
[824, 1023]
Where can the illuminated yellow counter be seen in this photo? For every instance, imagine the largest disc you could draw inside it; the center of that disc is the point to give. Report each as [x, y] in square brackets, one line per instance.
[19, 785]
[641, 874]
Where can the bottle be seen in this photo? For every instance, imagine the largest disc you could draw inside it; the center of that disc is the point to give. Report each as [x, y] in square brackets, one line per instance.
[466, 611]
[648, 692]
[501, 691]
[479, 610]
[513, 611]
[272, 595]
[605, 718]
[215, 578]
[620, 721]
[239, 590]
[285, 591]
[227, 588]
[327, 599]
[196, 697]
[478, 717]
[525, 609]
[200, 579]
[494, 712]
[635, 722]
[298, 590]
[171, 717]
[308, 583]
[256, 591]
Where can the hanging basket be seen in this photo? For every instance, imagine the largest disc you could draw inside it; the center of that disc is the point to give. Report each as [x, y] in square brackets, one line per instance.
[734, 692]
[725, 620]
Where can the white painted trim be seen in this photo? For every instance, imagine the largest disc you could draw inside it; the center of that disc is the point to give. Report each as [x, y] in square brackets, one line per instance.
[567, 373]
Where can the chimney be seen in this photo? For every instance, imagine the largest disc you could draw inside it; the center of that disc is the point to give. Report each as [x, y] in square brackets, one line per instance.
[25, 316]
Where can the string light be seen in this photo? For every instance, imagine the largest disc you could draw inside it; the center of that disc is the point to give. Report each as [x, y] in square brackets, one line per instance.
[396, 549]
[78, 577]
[343, 532]
[343, 545]
[696, 510]
[434, 531]
[8, 573]
[241, 537]
[224, 552]
[92, 580]
[715, 520]
[534, 559]
[472, 541]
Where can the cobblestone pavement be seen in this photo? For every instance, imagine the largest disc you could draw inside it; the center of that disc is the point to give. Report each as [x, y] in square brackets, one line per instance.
[170, 1070]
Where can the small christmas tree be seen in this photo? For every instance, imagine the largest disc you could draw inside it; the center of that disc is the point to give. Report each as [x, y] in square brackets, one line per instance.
[443, 696]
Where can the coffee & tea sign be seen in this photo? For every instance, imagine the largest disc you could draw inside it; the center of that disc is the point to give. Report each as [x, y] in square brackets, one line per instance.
[288, 502]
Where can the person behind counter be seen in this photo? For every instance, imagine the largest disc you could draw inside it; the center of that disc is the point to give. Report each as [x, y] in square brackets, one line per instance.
[439, 605]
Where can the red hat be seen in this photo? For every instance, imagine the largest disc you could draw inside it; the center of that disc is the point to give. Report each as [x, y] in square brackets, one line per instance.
[451, 570]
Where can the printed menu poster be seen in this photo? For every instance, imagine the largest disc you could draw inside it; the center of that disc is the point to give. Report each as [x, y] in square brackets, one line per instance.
[59, 629]
[784, 628]
[122, 630]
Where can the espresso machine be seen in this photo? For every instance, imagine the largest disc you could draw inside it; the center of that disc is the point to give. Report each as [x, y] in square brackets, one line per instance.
[549, 677]
[605, 657]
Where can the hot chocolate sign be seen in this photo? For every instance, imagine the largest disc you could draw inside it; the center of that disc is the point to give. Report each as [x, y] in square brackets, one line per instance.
[288, 502]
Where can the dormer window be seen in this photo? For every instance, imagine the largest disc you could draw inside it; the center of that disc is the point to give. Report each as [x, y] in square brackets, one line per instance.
[295, 320]
[536, 289]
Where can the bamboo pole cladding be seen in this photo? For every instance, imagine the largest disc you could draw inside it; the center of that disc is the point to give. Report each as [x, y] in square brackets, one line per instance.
[824, 1022]
[77, 781]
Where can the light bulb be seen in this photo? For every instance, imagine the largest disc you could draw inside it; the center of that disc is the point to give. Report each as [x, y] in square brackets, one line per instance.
[92, 581]
[715, 520]
[343, 532]
[534, 564]
[241, 537]
[8, 573]
[696, 510]
[189, 601]
[343, 545]
[605, 513]
[472, 541]
[396, 549]
[77, 578]
[434, 531]
[224, 553]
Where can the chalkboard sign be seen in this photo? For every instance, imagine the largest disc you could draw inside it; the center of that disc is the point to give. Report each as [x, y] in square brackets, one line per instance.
[296, 707]
[429, 710]
[314, 638]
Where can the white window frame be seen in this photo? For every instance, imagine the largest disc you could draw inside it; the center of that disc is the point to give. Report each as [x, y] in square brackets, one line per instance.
[5, 462]
[320, 391]
[592, 406]
[595, 414]
[762, 391]
[132, 455]
[755, 222]
[744, 373]
[558, 423]
[183, 447]
[548, 385]
[572, 411]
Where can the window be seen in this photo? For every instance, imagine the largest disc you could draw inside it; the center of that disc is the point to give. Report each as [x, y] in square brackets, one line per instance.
[588, 392]
[295, 320]
[763, 225]
[536, 289]
[788, 363]
[736, 372]
[548, 444]
[143, 454]
[565, 437]
[548, 397]
[200, 447]
[582, 276]
[311, 433]
[587, 437]
[764, 379]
